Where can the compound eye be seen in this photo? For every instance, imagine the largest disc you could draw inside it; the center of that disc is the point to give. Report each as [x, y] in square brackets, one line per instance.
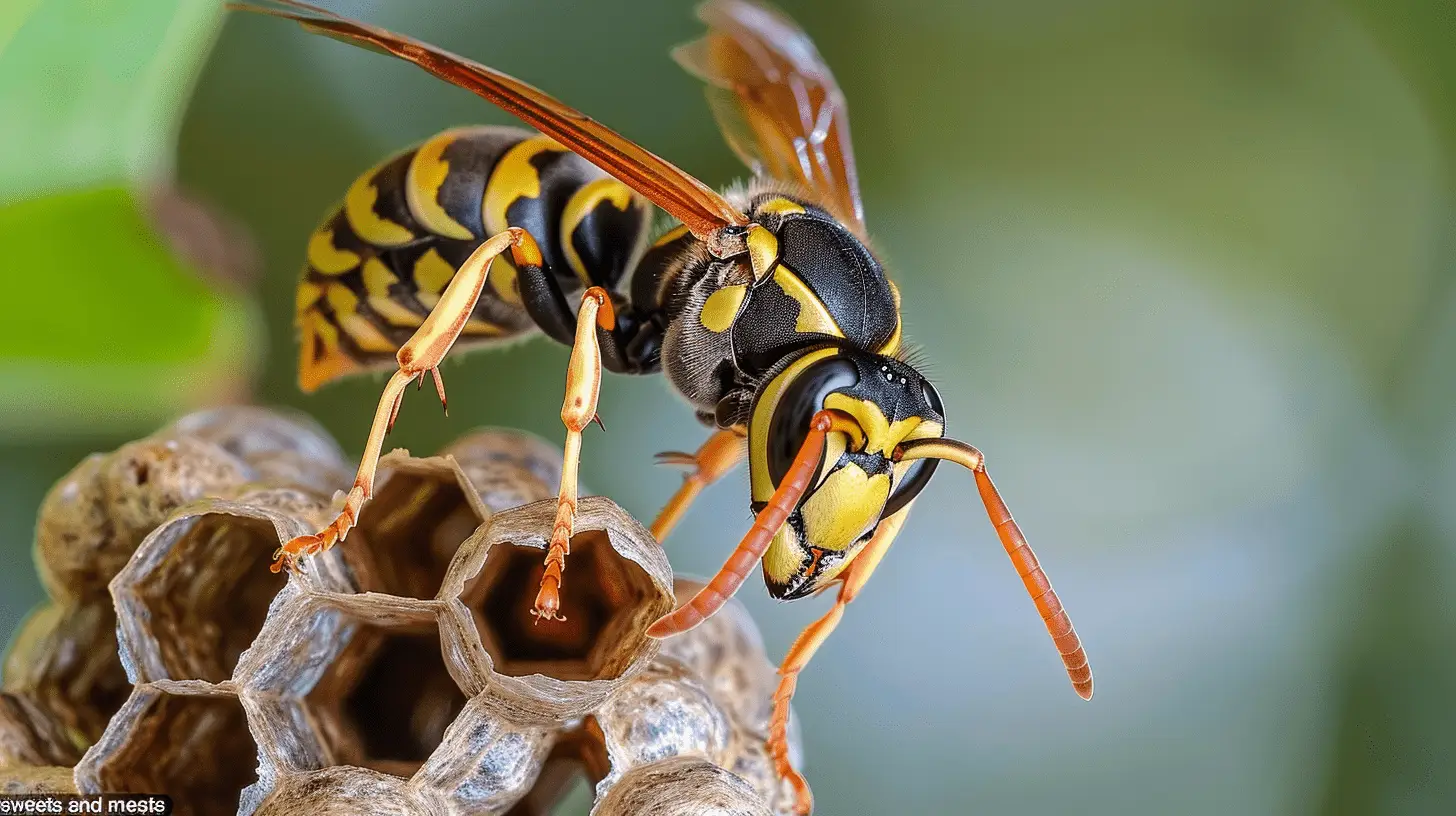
[800, 400]
[915, 481]
[932, 397]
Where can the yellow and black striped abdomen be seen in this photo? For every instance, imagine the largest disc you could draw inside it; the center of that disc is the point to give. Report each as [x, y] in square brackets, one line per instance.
[379, 262]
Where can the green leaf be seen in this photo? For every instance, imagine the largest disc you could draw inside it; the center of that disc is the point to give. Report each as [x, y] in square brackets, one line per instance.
[92, 91]
[106, 327]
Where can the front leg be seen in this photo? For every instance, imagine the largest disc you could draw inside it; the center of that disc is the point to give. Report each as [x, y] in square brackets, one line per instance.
[583, 384]
[715, 459]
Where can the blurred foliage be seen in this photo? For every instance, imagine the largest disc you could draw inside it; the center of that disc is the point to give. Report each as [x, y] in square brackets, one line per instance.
[93, 91]
[1183, 270]
[92, 94]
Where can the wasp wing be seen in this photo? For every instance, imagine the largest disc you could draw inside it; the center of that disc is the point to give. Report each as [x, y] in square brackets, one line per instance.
[684, 197]
[776, 101]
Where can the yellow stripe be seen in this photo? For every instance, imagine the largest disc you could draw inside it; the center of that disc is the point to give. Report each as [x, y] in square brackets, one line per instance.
[779, 206]
[378, 278]
[892, 346]
[426, 175]
[505, 281]
[813, 316]
[315, 330]
[433, 273]
[307, 295]
[326, 258]
[513, 178]
[359, 210]
[721, 308]
[346, 311]
[581, 204]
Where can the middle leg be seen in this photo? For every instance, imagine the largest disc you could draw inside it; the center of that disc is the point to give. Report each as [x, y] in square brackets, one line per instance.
[715, 459]
[583, 384]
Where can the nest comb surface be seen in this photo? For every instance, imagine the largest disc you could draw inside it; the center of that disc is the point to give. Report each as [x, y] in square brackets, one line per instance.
[401, 672]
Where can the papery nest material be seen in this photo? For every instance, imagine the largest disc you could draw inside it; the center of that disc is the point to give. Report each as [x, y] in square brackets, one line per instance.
[401, 672]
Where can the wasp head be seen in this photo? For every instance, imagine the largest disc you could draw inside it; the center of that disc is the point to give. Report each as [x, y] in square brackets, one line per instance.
[858, 482]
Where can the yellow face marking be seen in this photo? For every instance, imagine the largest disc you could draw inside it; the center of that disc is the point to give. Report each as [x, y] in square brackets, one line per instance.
[326, 258]
[427, 172]
[892, 346]
[887, 527]
[721, 308]
[582, 202]
[378, 278]
[779, 206]
[784, 557]
[763, 250]
[813, 316]
[835, 445]
[359, 210]
[671, 235]
[881, 435]
[346, 311]
[844, 507]
[759, 422]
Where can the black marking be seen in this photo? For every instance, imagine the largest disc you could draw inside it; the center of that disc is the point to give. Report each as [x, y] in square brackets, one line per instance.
[560, 174]
[472, 158]
[845, 276]
[605, 238]
[391, 203]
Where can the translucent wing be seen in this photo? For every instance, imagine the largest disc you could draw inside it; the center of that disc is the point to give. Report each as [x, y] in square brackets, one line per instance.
[684, 197]
[776, 101]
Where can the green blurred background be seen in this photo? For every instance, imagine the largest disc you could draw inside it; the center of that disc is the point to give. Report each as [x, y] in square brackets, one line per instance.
[1183, 270]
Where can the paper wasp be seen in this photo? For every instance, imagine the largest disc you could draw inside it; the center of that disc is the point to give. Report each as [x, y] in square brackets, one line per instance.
[765, 308]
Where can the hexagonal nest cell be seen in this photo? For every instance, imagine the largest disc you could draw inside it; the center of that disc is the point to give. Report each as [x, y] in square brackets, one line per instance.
[197, 749]
[205, 598]
[421, 512]
[600, 597]
[388, 697]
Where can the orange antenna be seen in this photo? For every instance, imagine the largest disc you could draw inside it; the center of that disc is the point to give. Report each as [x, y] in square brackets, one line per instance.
[1038, 586]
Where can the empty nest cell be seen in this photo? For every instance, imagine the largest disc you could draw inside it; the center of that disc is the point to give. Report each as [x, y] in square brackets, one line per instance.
[205, 599]
[196, 748]
[422, 510]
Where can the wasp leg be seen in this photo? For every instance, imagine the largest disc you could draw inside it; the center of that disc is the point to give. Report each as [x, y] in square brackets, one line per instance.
[715, 459]
[766, 525]
[855, 576]
[583, 383]
[422, 353]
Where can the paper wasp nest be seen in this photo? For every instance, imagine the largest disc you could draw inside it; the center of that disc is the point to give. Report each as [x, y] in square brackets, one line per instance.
[400, 674]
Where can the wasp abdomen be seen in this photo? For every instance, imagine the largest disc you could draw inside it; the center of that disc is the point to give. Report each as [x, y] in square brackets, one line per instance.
[379, 262]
